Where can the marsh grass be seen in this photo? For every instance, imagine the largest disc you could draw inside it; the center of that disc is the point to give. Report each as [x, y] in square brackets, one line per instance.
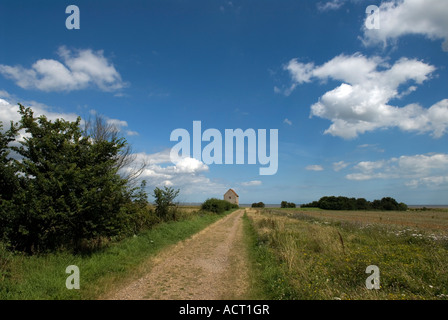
[321, 258]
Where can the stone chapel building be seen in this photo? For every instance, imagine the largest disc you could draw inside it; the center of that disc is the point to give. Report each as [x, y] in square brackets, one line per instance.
[231, 196]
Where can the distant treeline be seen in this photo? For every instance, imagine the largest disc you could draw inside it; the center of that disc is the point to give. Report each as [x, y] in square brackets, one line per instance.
[283, 204]
[344, 203]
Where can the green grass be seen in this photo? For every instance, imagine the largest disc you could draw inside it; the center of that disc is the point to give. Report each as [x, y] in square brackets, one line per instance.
[267, 272]
[43, 276]
[303, 257]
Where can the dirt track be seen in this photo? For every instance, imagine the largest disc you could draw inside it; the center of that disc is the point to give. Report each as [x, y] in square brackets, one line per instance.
[210, 265]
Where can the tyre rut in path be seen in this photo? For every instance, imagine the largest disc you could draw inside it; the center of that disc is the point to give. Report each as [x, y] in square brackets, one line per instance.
[212, 264]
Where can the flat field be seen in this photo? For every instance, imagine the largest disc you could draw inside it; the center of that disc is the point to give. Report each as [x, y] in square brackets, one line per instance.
[318, 254]
[428, 219]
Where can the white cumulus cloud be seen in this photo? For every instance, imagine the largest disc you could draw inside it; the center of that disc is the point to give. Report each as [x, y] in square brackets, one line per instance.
[187, 174]
[361, 102]
[314, 167]
[410, 17]
[77, 70]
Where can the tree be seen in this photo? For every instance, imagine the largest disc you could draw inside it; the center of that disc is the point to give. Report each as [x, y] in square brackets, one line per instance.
[362, 204]
[141, 197]
[314, 204]
[100, 130]
[376, 204]
[8, 179]
[164, 201]
[68, 186]
[388, 203]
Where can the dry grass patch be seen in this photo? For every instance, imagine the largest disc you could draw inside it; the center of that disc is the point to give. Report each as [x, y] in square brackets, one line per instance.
[434, 219]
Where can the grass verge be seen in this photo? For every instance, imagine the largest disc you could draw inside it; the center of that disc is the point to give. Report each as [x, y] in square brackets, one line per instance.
[43, 276]
[267, 272]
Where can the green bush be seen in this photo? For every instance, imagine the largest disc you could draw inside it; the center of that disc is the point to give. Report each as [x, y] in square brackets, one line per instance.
[285, 204]
[258, 205]
[217, 205]
[166, 209]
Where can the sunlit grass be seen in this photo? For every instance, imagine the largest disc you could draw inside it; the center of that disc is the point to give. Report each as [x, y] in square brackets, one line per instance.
[322, 258]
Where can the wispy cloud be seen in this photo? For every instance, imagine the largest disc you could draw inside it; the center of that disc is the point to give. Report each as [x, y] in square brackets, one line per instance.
[251, 183]
[287, 121]
[116, 123]
[330, 5]
[120, 125]
[229, 6]
[421, 169]
[314, 167]
[132, 133]
[338, 166]
[373, 147]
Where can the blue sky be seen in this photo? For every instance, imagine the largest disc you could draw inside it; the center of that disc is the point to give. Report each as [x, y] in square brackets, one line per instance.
[359, 112]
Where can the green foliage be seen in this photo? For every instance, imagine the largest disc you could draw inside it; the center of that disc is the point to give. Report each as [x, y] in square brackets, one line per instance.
[217, 205]
[344, 203]
[8, 179]
[141, 197]
[164, 200]
[258, 205]
[62, 189]
[285, 204]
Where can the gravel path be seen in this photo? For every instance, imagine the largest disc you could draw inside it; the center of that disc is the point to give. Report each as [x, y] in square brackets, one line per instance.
[210, 265]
